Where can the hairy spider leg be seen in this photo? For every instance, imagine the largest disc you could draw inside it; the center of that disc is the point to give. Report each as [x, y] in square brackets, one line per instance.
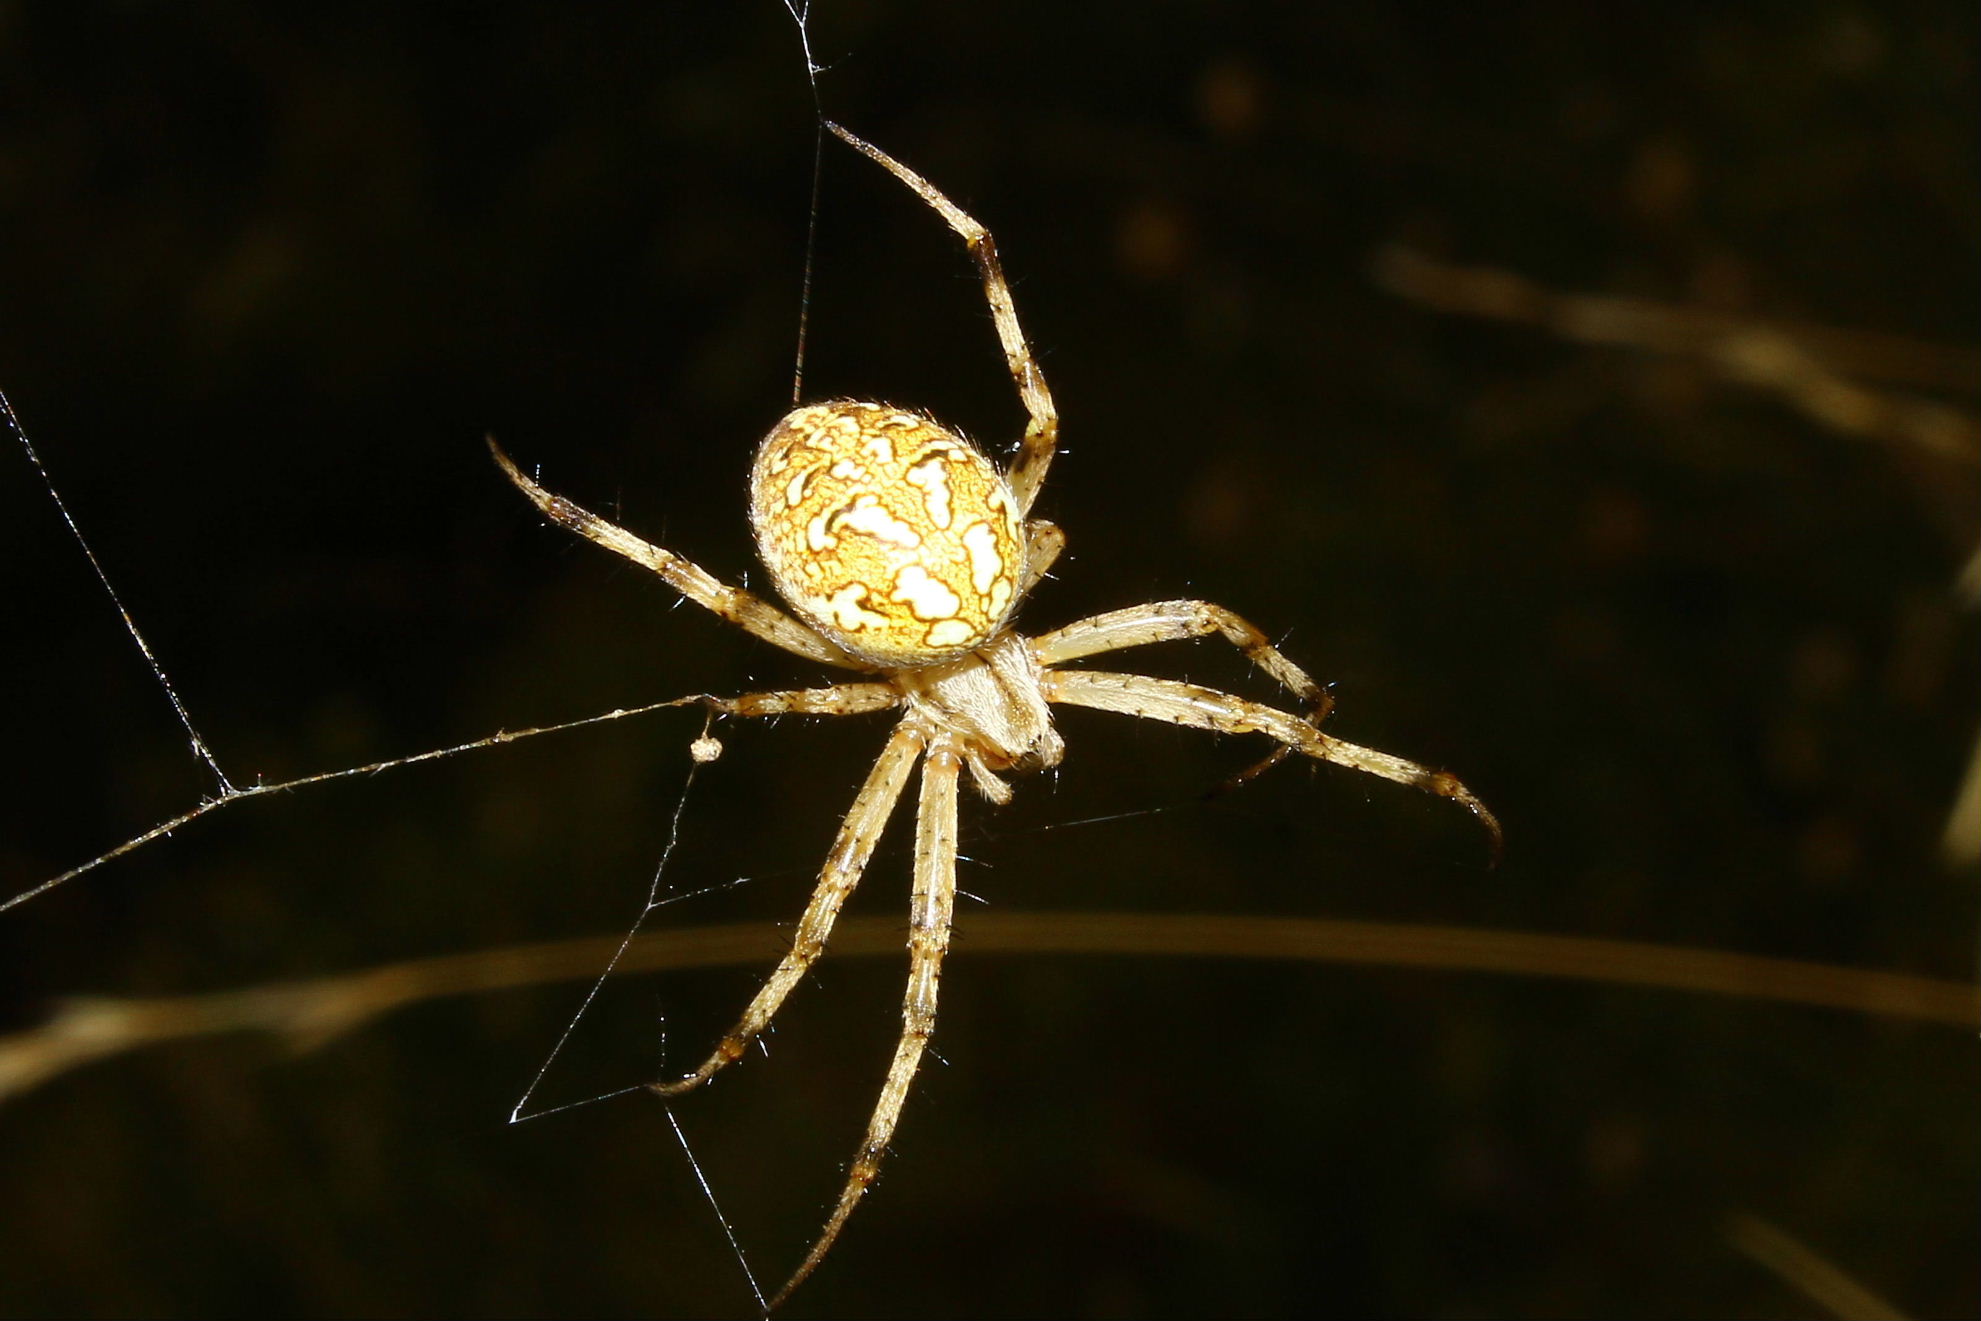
[1189, 704]
[1028, 471]
[844, 865]
[930, 914]
[1164, 621]
[748, 612]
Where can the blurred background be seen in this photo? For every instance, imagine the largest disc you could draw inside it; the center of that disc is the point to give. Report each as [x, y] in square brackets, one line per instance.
[1670, 581]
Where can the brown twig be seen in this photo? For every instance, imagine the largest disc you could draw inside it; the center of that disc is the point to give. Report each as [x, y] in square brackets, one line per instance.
[306, 1014]
[1805, 365]
[1798, 1265]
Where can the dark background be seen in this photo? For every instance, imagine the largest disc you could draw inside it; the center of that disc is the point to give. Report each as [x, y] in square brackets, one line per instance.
[265, 282]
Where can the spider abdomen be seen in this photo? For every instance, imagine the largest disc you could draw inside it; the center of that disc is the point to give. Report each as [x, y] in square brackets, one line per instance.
[886, 531]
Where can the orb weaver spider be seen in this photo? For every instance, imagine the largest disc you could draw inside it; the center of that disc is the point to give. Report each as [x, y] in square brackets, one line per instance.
[903, 553]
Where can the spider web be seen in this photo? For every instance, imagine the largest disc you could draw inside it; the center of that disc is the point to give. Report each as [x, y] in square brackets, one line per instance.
[225, 783]
[227, 792]
[227, 787]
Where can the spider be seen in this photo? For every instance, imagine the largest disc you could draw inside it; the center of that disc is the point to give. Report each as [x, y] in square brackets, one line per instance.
[903, 552]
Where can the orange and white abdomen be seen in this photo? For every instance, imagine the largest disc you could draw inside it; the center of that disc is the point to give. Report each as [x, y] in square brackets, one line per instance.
[886, 531]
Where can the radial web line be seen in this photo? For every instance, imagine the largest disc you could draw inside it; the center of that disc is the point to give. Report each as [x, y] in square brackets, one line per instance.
[232, 794]
[800, 15]
[130, 625]
[708, 1191]
[654, 900]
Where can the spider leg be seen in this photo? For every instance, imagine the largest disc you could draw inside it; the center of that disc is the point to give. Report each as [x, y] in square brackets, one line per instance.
[1172, 621]
[1207, 708]
[1044, 543]
[928, 939]
[843, 699]
[1028, 470]
[858, 835]
[748, 612]
[1168, 621]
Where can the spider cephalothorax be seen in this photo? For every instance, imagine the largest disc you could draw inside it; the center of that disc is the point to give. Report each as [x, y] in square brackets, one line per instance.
[904, 552]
